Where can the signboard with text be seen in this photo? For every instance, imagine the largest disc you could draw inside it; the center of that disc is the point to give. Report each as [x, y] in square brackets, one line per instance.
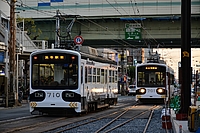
[133, 31]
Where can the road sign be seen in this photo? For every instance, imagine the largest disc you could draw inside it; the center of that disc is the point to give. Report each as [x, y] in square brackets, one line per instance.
[129, 60]
[78, 40]
[133, 31]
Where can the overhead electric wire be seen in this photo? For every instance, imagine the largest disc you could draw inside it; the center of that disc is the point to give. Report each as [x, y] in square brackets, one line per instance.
[143, 24]
[131, 16]
[114, 7]
[107, 31]
[41, 11]
[135, 20]
[45, 12]
[140, 17]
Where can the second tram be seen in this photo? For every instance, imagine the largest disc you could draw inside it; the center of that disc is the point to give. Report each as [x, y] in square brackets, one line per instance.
[154, 82]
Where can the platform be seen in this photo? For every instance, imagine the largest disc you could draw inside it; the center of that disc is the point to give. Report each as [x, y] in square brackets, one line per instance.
[181, 126]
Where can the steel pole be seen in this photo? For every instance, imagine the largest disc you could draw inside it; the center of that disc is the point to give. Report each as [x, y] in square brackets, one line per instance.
[185, 57]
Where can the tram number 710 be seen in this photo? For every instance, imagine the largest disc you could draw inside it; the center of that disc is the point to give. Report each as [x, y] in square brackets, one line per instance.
[53, 94]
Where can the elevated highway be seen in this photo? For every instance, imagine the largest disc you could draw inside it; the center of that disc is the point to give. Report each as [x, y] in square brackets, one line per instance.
[155, 31]
[104, 23]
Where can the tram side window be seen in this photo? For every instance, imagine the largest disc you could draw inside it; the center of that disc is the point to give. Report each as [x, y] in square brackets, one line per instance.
[89, 74]
[102, 76]
[171, 79]
[110, 76]
[98, 75]
[81, 74]
[86, 74]
[116, 76]
[164, 78]
[106, 76]
[94, 75]
[113, 76]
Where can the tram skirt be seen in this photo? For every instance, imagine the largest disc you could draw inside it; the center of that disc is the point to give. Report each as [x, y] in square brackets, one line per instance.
[166, 122]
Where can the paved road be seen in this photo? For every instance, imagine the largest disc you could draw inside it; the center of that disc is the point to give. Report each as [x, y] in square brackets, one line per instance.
[14, 112]
[23, 111]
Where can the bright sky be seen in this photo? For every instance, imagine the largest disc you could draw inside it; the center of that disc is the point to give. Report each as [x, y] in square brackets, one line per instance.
[173, 56]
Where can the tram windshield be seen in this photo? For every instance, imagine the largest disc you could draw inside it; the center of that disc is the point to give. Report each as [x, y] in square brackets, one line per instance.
[151, 76]
[54, 74]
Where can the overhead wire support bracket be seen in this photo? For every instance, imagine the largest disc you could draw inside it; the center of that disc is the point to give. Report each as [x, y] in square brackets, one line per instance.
[63, 41]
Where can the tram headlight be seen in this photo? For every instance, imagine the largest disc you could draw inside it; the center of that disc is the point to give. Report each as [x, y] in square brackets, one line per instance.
[141, 91]
[39, 94]
[70, 96]
[161, 91]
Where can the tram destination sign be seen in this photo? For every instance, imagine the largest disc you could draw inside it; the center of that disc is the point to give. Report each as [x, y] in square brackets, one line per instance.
[133, 31]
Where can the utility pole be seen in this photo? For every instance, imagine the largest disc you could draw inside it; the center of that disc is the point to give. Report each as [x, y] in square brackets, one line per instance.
[57, 38]
[122, 66]
[12, 53]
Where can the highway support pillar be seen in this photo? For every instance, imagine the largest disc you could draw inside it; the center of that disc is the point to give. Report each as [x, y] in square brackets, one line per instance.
[185, 59]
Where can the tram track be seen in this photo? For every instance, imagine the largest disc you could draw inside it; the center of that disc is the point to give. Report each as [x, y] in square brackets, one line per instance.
[136, 116]
[72, 128]
[88, 121]
[41, 123]
[127, 117]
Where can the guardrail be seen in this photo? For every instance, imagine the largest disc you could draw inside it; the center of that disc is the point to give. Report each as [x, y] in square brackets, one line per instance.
[21, 39]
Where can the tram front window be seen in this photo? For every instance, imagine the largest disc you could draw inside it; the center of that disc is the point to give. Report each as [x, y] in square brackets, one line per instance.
[151, 79]
[54, 76]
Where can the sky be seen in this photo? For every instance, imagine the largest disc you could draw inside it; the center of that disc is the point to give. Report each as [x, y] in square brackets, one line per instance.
[173, 56]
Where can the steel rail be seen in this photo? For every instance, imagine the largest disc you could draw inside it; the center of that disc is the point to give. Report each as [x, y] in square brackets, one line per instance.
[148, 122]
[95, 119]
[136, 116]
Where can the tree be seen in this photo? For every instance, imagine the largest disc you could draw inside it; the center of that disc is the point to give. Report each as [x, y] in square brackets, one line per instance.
[131, 73]
[29, 26]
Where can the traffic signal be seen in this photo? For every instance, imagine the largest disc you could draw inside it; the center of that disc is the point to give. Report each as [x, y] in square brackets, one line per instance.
[135, 62]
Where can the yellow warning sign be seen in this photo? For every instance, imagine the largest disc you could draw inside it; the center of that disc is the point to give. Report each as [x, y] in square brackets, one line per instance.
[186, 54]
[33, 104]
[73, 105]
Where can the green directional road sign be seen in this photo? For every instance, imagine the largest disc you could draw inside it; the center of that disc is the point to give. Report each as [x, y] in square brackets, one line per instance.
[133, 31]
